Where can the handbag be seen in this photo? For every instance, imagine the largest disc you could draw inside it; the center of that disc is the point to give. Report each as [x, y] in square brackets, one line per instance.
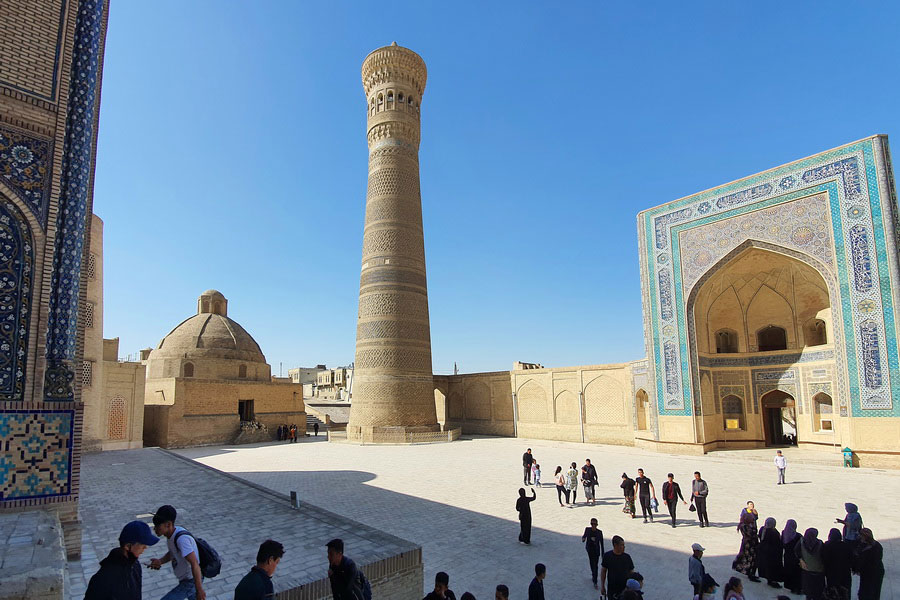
[692, 508]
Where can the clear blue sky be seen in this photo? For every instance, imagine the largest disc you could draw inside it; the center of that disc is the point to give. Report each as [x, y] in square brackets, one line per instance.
[232, 155]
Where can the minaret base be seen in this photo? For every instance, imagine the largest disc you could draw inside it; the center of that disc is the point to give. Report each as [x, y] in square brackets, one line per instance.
[363, 434]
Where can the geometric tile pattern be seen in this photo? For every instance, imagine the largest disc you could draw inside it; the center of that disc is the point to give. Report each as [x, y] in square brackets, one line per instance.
[25, 166]
[76, 175]
[16, 277]
[840, 200]
[35, 453]
[116, 426]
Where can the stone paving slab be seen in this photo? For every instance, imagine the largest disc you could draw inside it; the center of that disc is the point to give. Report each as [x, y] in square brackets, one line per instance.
[234, 517]
[31, 555]
[457, 501]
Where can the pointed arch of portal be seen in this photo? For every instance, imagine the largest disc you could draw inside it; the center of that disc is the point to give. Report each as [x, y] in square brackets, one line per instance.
[834, 299]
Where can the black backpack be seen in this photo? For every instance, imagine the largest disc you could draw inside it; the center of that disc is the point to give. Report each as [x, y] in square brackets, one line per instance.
[210, 563]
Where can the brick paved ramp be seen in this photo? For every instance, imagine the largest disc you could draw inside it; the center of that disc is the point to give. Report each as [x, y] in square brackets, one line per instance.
[457, 501]
[234, 517]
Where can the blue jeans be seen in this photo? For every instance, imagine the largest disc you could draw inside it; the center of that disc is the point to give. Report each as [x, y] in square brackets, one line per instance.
[185, 590]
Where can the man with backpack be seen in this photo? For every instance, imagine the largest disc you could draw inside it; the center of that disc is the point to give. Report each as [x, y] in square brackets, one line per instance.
[183, 553]
[347, 581]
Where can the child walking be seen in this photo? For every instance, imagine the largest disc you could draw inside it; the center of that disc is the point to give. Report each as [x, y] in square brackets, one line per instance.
[536, 474]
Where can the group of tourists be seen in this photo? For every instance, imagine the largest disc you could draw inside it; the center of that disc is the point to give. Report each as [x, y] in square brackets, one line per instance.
[287, 433]
[194, 560]
[642, 487]
[804, 563]
[568, 479]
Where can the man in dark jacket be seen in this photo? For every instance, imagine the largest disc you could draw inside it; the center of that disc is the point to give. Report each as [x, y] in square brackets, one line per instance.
[536, 588]
[442, 589]
[257, 584]
[119, 577]
[346, 580]
[671, 493]
[527, 460]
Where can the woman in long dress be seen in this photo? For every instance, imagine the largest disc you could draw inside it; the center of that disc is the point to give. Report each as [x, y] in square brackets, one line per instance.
[523, 506]
[853, 525]
[789, 540]
[870, 565]
[628, 487]
[812, 561]
[745, 561]
[572, 482]
[769, 557]
[838, 561]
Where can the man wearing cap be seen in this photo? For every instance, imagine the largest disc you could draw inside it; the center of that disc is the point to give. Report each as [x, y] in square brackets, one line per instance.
[633, 588]
[184, 556]
[119, 577]
[696, 570]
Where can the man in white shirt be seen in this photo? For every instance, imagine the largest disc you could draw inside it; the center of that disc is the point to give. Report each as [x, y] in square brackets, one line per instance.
[781, 464]
[184, 556]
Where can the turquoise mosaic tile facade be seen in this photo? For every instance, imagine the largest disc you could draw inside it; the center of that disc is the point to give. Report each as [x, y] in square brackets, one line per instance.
[36, 453]
[859, 228]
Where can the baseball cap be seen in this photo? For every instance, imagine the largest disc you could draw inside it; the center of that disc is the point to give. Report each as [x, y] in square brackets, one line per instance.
[164, 513]
[632, 584]
[137, 532]
[696, 546]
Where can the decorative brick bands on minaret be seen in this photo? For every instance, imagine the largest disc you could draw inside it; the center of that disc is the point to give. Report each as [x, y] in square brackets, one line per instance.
[393, 391]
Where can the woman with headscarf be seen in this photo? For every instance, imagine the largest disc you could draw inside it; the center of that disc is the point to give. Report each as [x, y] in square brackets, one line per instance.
[572, 483]
[769, 555]
[628, 487]
[853, 524]
[789, 541]
[838, 559]
[870, 565]
[812, 561]
[751, 509]
[745, 561]
[523, 505]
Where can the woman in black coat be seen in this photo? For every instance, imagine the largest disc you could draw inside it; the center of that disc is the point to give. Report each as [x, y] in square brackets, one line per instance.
[523, 505]
[769, 558]
[870, 565]
[791, 573]
[838, 559]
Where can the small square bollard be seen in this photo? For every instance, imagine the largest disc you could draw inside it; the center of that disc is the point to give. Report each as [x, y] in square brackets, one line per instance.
[295, 502]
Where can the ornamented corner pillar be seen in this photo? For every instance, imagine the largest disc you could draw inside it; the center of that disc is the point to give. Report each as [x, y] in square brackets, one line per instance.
[393, 389]
[64, 346]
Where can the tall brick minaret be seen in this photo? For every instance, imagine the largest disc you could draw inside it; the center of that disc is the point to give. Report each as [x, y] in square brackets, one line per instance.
[393, 391]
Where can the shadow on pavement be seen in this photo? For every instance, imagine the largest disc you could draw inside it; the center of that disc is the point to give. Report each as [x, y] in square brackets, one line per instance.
[479, 551]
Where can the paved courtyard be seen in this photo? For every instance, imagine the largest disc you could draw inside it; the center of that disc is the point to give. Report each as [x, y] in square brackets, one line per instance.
[457, 501]
[120, 486]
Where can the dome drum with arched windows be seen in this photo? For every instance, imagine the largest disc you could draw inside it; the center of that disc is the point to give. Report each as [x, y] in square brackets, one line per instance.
[209, 345]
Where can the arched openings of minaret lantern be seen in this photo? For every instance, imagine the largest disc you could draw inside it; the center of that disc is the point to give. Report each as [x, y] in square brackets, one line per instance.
[392, 100]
